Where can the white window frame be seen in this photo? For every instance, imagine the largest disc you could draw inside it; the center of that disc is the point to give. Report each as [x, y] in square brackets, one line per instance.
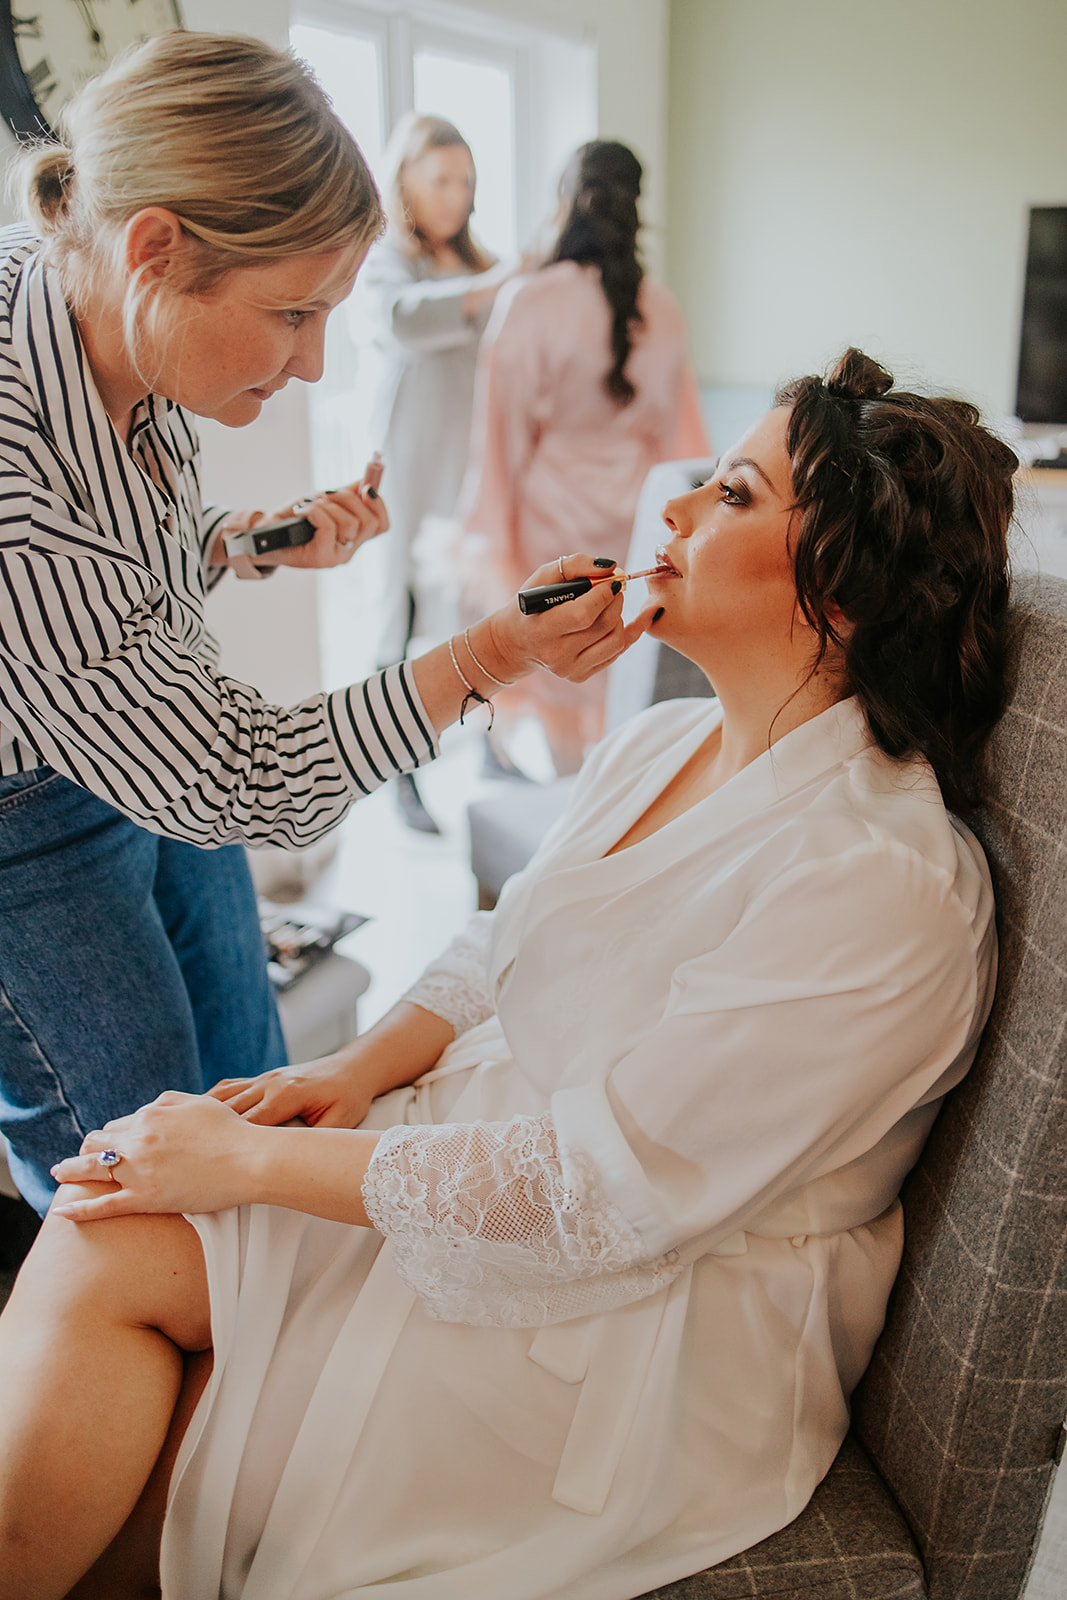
[400, 27]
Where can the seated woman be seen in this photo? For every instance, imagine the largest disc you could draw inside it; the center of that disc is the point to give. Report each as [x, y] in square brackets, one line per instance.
[578, 1306]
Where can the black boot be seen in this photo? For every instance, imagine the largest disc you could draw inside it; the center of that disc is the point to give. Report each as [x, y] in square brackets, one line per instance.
[412, 809]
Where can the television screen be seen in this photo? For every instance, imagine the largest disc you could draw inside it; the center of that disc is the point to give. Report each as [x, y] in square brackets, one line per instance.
[1042, 391]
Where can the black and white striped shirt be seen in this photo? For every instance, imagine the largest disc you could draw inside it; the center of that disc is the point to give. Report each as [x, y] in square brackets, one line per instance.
[107, 672]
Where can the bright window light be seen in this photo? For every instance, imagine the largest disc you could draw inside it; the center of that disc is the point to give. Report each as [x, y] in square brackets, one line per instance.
[347, 67]
[476, 95]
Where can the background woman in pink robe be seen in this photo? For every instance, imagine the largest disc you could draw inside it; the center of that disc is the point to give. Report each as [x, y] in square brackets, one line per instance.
[584, 383]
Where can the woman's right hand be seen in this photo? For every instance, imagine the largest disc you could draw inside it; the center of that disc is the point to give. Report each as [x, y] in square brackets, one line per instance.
[328, 1093]
[575, 640]
[336, 1091]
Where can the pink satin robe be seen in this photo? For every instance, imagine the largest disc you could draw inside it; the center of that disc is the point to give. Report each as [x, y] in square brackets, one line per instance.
[557, 464]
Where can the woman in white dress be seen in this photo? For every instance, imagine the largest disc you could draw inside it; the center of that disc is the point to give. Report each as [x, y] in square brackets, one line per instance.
[420, 306]
[585, 1314]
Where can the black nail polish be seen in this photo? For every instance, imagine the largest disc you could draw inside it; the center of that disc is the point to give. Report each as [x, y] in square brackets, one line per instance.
[657, 614]
[372, 493]
[616, 587]
[604, 561]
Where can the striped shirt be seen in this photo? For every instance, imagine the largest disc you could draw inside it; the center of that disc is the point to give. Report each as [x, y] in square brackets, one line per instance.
[107, 672]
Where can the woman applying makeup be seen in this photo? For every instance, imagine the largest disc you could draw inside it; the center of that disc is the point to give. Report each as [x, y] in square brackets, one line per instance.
[173, 265]
[577, 1308]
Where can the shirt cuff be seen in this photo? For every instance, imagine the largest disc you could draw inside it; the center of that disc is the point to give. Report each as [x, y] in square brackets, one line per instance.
[380, 728]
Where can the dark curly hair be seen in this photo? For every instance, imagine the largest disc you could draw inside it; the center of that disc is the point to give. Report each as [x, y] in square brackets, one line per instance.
[900, 552]
[602, 183]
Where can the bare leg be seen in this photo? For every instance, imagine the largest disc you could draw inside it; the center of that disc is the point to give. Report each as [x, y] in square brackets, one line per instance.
[129, 1567]
[91, 1367]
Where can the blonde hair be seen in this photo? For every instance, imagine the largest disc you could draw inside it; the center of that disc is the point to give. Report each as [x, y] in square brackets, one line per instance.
[233, 136]
[414, 136]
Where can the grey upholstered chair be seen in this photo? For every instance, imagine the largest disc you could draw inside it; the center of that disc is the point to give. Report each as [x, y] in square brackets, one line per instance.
[940, 1488]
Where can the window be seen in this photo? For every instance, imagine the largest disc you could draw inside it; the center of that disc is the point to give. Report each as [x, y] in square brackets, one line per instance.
[349, 67]
[477, 95]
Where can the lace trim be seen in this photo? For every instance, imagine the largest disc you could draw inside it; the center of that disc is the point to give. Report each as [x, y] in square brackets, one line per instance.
[490, 1226]
[455, 986]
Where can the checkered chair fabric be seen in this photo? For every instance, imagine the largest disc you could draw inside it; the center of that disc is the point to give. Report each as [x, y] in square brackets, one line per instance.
[940, 1489]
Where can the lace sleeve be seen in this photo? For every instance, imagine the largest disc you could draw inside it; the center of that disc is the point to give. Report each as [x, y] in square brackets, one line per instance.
[489, 1225]
[455, 986]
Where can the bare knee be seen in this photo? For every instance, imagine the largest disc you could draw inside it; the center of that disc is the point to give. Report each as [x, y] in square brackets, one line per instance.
[146, 1270]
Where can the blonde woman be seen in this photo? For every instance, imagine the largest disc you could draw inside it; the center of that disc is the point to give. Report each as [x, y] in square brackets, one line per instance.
[421, 304]
[183, 250]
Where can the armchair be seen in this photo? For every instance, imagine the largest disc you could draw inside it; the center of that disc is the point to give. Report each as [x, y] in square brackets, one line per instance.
[941, 1486]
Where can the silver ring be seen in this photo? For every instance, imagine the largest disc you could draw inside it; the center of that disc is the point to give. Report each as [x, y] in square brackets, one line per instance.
[562, 574]
[109, 1159]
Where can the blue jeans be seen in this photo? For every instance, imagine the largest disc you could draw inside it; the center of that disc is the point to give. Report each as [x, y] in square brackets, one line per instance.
[129, 964]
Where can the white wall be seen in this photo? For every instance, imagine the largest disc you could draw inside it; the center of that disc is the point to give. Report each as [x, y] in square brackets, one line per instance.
[844, 171]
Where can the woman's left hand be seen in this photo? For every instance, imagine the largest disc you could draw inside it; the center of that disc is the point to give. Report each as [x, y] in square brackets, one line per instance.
[343, 520]
[183, 1152]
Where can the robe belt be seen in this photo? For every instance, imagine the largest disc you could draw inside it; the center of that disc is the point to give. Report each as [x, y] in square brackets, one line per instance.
[322, 1451]
[610, 1355]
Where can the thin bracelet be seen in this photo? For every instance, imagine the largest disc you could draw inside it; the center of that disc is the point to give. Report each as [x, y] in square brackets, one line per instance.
[501, 683]
[472, 693]
[463, 680]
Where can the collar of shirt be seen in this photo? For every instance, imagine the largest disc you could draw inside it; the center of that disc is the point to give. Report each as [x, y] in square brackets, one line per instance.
[118, 489]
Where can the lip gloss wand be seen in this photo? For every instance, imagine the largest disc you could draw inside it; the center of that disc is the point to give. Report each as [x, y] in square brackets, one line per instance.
[547, 595]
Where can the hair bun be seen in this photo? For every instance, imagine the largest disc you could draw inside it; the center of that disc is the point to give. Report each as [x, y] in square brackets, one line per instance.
[858, 377]
[48, 173]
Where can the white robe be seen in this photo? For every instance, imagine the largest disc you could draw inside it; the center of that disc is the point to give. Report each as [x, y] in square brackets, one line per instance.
[663, 1204]
[417, 352]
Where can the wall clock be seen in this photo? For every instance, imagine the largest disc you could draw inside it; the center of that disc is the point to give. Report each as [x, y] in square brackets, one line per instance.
[48, 48]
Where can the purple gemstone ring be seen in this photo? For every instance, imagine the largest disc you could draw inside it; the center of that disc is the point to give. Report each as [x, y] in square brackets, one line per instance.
[109, 1159]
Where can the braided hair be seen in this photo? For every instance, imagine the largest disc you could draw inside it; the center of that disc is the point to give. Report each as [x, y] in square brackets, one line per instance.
[601, 185]
[903, 503]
